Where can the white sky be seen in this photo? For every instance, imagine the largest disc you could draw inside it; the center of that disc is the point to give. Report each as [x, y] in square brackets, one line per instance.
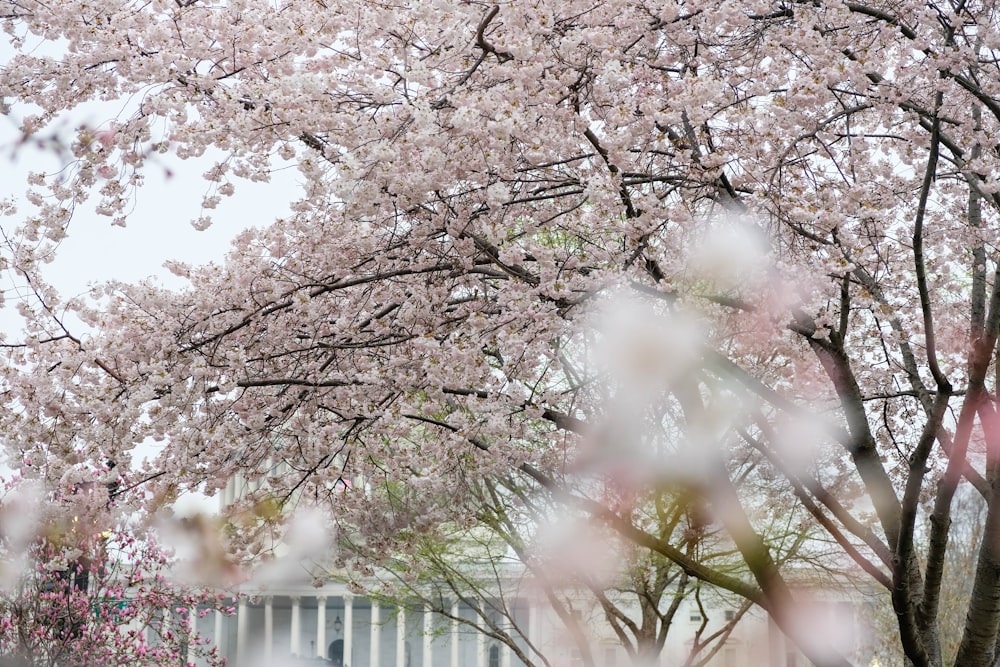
[158, 228]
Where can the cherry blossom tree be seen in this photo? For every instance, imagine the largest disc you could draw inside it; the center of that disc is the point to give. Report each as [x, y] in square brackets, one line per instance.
[627, 240]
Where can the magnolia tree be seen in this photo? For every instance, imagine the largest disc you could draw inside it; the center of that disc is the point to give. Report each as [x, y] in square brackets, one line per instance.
[81, 587]
[631, 242]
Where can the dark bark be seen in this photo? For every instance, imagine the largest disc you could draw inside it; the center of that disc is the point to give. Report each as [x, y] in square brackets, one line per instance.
[756, 555]
[979, 641]
[864, 453]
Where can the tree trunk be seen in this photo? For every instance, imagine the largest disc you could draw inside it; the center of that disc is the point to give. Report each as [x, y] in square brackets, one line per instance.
[982, 622]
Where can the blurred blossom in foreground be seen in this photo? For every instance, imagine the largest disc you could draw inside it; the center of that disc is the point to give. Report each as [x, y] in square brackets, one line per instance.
[574, 550]
[19, 527]
[734, 253]
[645, 351]
[827, 630]
[797, 441]
[645, 354]
[308, 541]
[199, 545]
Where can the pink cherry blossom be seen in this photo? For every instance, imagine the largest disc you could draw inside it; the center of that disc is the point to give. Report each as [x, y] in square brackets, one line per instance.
[478, 185]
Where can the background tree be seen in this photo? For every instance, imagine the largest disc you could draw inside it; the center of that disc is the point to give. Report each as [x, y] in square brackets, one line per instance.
[524, 547]
[478, 182]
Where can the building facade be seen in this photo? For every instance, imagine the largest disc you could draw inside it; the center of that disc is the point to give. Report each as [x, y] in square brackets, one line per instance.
[330, 626]
[299, 623]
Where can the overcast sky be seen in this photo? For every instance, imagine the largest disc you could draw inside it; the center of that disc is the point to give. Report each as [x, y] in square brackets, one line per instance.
[159, 227]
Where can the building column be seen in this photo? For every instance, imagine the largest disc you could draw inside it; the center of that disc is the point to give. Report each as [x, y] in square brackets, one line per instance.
[510, 628]
[219, 639]
[376, 632]
[296, 638]
[428, 656]
[321, 626]
[535, 626]
[268, 628]
[481, 637]
[348, 630]
[192, 630]
[454, 634]
[400, 637]
[241, 631]
[481, 650]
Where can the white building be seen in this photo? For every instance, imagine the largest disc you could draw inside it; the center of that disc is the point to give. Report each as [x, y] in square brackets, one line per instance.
[331, 626]
[292, 623]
